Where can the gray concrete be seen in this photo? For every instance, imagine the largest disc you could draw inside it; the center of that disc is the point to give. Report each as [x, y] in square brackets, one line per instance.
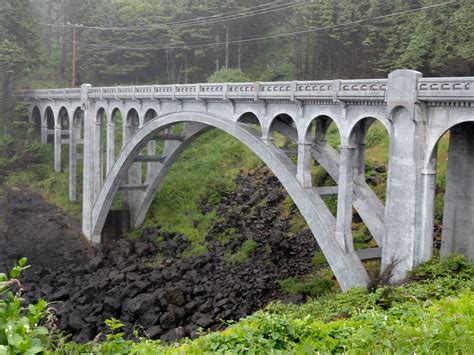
[415, 111]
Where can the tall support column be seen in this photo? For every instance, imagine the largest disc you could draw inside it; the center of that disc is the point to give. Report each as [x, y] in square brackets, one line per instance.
[72, 162]
[97, 156]
[57, 146]
[151, 167]
[403, 203]
[110, 143]
[344, 197]
[428, 176]
[44, 133]
[458, 214]
[132, 198]
[303, 172]
[88, 163]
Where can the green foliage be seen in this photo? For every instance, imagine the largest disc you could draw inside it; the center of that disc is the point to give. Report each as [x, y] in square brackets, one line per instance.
[313, 286]
[318, 259]
[228, 76]
[243, 254]
[451, 266]
[202, 173]
[376, 136]
[20, 332]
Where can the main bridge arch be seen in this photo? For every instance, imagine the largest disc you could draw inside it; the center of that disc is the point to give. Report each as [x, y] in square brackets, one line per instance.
[345, 264]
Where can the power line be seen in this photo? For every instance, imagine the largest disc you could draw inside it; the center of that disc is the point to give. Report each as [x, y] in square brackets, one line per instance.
[256, 39]
[229, 16]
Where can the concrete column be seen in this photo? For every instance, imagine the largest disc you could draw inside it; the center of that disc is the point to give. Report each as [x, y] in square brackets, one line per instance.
[344, 197]
[303, 172]
[88, 163]
[404, 191]
[72, 163]
[151, 167]
[458, 214]
[110, 145]
[57, 147]
[44, 133]
[131, 198]
[425, 244]
[267, 133]
[97, 157]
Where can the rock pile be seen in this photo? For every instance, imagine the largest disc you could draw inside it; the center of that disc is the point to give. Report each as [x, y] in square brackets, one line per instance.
[157, 284]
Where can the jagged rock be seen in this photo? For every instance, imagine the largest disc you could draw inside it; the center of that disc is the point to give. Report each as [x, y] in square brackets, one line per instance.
[175, 295]
[154, 332]
[169, 320]
[139, 304]
[202, 320]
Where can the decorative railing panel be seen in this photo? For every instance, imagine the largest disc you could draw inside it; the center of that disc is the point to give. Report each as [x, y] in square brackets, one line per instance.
[429, 89]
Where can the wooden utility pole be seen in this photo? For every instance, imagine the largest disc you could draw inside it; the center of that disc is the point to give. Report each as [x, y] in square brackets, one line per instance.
[74, 53]
[226, 46]
[73, 82]
[217, 52]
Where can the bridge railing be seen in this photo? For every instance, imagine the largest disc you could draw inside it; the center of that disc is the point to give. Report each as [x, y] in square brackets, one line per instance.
[374, 89]
[433, 89]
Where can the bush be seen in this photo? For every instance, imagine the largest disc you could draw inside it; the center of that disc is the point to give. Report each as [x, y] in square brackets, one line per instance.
[20, 332]
[449, 266]
[313, 286]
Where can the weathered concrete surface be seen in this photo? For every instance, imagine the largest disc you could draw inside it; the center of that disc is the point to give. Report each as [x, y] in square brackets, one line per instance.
[415, 111]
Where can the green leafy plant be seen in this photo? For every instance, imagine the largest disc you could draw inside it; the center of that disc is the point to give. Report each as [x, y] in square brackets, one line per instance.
[20, 329]
[313, 286]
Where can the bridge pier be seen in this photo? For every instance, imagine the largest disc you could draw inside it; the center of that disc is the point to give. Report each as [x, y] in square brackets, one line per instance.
[403, 203]
[73, 138]
[458, 214]
[44, 133]
[57, 147]
[344, 197]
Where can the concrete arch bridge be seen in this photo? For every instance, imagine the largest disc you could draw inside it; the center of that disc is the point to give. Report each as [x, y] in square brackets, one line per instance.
[158, 122]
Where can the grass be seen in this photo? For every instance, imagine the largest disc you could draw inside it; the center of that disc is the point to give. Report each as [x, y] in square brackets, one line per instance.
[201, 174]
[243, 254]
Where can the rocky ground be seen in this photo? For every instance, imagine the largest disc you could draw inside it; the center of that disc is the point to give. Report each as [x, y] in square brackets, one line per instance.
[154, 283]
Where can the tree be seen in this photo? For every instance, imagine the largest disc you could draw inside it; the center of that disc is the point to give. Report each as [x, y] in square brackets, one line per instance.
[18, 49]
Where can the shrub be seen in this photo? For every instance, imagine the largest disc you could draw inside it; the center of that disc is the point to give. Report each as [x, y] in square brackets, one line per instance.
[313, 286]
[20, 332]
[449, 266]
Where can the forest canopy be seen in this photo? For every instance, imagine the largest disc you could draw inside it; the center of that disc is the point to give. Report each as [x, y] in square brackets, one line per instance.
[180, 41]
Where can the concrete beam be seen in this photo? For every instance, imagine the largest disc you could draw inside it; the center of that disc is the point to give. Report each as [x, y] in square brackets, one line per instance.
[150, 158]
[326, 191]
[130, 187]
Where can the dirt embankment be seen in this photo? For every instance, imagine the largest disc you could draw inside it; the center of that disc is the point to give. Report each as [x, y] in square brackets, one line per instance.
[155, 282]
[33, 228]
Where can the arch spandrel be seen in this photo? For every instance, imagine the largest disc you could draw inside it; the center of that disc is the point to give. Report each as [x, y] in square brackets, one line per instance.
[436, 133]
[346, 265]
